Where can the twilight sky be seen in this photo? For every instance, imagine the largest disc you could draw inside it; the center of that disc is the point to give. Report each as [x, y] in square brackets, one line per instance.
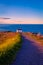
[21, 11]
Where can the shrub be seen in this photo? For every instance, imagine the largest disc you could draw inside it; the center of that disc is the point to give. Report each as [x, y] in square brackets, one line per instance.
[9, 49]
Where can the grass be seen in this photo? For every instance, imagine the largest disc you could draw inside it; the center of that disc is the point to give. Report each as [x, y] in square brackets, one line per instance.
[34, 37]
[38, 39]
[9, 49]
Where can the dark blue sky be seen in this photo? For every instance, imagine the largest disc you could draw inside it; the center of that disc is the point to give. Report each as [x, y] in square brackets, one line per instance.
[38, 4]
[21, 8]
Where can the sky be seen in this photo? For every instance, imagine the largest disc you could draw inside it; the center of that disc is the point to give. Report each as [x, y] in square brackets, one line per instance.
[21, 11]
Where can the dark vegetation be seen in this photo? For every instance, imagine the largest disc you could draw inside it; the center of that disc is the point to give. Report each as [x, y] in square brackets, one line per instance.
[9, 55]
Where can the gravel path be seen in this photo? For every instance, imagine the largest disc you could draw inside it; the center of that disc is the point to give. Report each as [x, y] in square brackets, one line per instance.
[28, 54]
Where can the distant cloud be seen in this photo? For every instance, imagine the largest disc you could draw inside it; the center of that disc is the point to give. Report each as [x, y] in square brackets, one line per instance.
[4, 18]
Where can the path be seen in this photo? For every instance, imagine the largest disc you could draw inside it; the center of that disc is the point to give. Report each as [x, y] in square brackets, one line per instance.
[28, 54]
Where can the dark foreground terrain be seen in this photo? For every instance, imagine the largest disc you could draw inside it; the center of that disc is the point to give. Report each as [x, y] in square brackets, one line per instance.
[30, 48]
[29, 54]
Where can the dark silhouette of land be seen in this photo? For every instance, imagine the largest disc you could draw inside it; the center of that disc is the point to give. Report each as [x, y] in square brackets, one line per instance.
[29, 54]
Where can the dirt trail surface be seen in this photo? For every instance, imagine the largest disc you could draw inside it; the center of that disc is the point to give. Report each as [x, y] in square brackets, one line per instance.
[29, 54]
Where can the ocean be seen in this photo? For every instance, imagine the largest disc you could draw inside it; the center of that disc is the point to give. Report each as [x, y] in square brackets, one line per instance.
[25, 27]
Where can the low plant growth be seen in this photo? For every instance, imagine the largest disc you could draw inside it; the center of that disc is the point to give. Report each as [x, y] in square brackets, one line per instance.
[9, 49]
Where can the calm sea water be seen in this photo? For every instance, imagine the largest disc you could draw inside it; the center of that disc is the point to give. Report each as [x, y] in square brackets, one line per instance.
[24, 27]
